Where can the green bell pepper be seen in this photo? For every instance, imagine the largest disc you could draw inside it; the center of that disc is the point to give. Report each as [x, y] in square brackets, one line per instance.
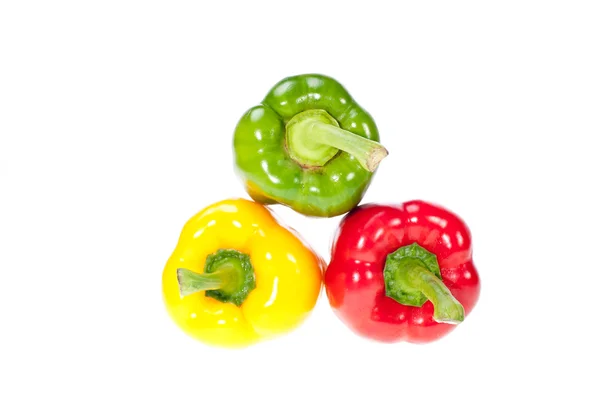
[308, 146]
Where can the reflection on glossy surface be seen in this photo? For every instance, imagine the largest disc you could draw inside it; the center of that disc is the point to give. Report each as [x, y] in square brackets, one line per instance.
[354, 278]
[268, 172]
[287, 272]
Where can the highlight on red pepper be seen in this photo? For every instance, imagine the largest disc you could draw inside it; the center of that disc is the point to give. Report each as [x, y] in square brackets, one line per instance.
[309, 146]
[402, 273]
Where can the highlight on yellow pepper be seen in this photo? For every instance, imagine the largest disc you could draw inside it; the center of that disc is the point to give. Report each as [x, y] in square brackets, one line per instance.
[237, 276]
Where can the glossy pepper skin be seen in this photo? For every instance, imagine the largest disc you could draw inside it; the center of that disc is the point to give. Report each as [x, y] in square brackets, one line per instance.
[295, 147]
[277, 294]
[371, 242]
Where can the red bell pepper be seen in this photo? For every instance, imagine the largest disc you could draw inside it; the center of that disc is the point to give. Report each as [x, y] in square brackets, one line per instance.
[402, 272]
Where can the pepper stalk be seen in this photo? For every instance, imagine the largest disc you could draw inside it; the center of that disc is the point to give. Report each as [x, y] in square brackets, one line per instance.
[314, 137]
[412, 276]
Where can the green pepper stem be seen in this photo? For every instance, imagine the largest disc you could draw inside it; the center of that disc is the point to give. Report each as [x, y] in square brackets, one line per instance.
[314, 137]
[368, 153]
[191, 282]
[446, 308]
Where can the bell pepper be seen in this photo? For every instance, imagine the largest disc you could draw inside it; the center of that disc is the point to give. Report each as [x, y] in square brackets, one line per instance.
[402, 273]
[237, 276]
[309, 146]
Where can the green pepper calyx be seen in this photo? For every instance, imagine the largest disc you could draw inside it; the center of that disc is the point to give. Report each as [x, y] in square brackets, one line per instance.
[228, 277]
[412, 276]
[313, 138]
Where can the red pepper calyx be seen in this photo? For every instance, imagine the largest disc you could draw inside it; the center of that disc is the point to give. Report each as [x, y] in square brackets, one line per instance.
[412, 276]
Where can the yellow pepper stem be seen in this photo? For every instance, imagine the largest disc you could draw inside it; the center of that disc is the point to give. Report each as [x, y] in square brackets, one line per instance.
[228, 277]
[192, 282]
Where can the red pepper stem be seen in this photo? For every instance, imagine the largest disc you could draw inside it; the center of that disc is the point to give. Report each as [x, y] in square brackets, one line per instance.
[446, 308]
[412, 276]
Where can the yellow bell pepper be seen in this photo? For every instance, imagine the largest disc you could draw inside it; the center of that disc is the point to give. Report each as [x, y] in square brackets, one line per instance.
[237, 276]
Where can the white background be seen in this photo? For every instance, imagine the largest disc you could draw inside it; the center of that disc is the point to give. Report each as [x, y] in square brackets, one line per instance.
[116, 121]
